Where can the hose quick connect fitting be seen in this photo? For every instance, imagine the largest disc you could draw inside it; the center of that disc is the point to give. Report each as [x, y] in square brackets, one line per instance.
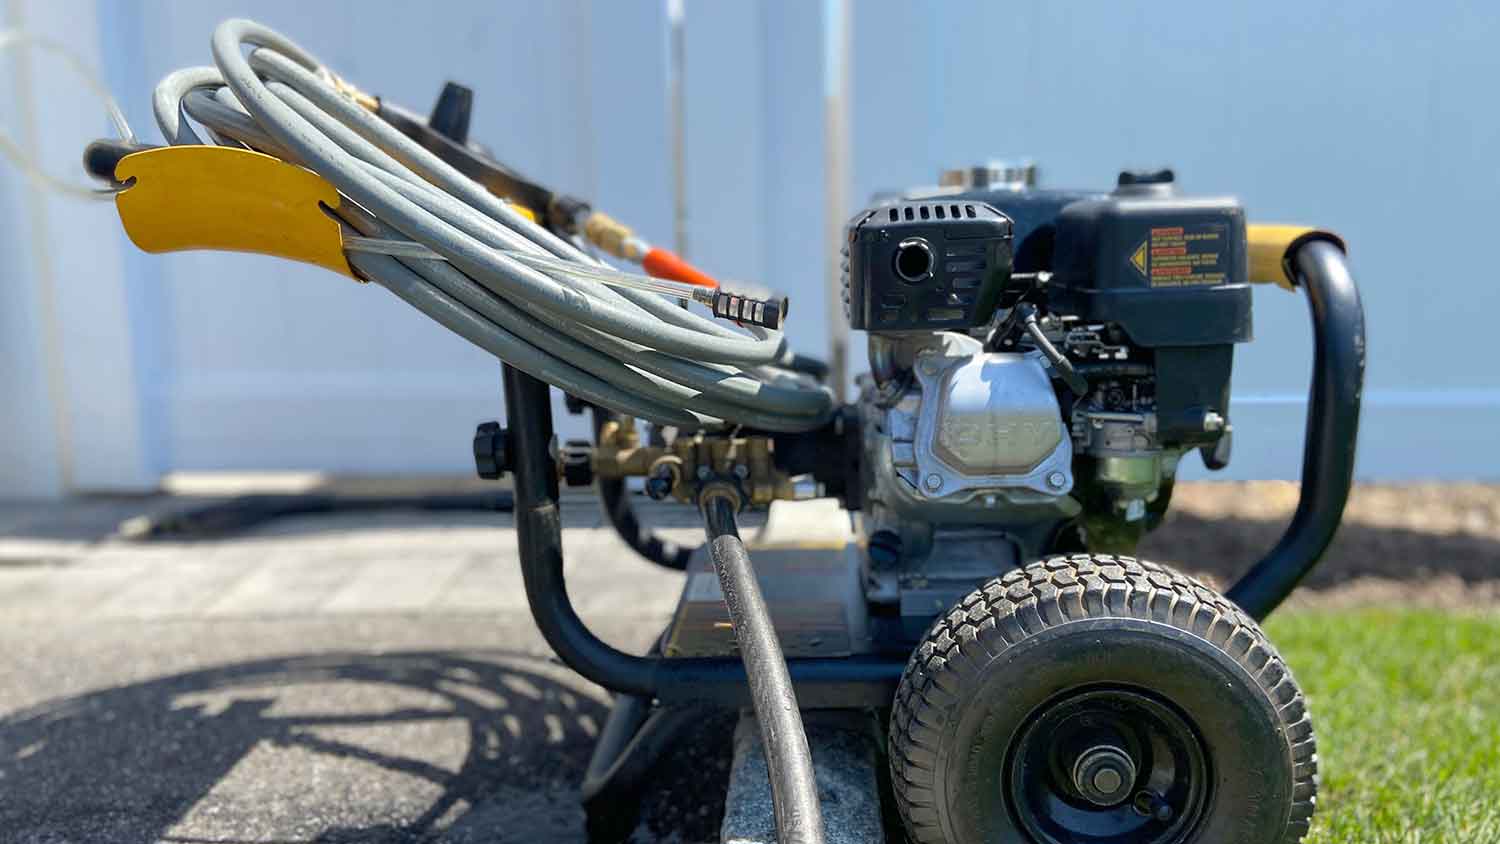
[766, 313]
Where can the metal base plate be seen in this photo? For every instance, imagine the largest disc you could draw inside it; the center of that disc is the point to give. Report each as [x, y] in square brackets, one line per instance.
[811, 574]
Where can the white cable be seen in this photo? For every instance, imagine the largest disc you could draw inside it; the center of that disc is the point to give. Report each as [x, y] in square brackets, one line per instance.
[10, 149]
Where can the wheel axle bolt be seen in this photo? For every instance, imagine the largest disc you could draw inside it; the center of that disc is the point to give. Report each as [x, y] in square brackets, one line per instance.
[1108, 780]
[1104, 775]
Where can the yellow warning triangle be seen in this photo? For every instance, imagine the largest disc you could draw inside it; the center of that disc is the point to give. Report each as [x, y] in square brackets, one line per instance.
[1138, 259]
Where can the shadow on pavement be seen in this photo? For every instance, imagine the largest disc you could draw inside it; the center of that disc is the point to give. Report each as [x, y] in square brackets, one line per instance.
[466, 747]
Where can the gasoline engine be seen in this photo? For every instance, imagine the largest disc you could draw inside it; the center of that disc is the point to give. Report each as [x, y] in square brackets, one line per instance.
[1040, 363]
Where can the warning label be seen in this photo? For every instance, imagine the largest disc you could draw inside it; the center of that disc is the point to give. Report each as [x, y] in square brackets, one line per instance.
[1138, 258]
[1177, 256]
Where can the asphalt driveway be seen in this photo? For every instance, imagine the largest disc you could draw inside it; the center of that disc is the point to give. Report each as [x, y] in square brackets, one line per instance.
[370, 678]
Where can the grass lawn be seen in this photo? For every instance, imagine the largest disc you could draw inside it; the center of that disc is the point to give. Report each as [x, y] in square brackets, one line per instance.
[1407, 710]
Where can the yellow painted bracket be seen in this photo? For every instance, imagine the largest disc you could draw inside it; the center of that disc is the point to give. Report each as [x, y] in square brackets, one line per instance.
[1272, 247]
[211, 197]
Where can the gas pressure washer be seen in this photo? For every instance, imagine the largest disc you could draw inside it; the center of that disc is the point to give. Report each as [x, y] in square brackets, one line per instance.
[1041, 361]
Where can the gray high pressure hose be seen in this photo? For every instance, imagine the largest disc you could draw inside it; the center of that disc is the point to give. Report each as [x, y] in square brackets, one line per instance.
[630, 351]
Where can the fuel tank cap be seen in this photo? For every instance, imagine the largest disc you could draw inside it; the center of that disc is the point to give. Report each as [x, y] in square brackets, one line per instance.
[993, 175]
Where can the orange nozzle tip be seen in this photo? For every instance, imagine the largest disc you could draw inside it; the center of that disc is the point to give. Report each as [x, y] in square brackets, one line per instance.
[664, 264]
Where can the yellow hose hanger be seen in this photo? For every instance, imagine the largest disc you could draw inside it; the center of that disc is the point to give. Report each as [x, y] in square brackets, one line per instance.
[213, 197]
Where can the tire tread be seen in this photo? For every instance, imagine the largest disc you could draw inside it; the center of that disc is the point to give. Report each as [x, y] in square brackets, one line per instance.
[1059, 590]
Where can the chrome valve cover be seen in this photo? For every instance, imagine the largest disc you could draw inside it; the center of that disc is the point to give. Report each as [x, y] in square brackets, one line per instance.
[990, 421]
[995, 416]
[978, 424]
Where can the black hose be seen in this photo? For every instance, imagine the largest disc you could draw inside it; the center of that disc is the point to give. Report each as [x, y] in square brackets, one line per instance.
[794, 789]
[808, 365]
[627, 715]
[1332, 428]
[623, 724]
[614, 498]
[620, 777]
[1064, 367]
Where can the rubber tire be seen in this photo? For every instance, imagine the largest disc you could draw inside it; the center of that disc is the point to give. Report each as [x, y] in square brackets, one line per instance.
[1065, 622]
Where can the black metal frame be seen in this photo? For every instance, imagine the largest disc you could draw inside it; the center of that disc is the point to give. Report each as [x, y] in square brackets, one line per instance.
[1338, 380]
[821, 683]
[870, 680]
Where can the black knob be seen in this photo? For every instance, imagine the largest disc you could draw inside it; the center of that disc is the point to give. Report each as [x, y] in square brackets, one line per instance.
[450, 115]
[491, 450]
[1164, 176]
[574, 404]
[884, 548]
[100, 157]
[659, 486]
[578, 462]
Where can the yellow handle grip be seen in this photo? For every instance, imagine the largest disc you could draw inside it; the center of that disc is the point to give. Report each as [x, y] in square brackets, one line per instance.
[1272, 247]
[211, 197]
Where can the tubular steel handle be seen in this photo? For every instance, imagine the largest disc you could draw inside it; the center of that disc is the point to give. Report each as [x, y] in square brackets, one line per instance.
[1332, 426]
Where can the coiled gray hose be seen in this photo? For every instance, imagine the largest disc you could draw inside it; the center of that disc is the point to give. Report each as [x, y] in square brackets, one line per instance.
[632, 352]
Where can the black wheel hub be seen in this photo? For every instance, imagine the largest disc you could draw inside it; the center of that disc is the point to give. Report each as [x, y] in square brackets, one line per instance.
[1104, 774]
[1106, 764]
